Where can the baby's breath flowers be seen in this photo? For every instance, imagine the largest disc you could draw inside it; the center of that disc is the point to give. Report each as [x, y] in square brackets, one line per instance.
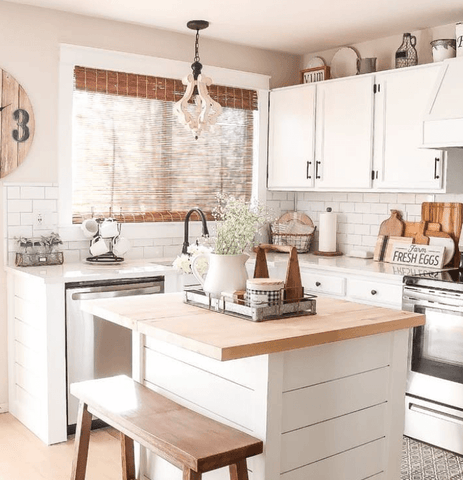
[238, 222]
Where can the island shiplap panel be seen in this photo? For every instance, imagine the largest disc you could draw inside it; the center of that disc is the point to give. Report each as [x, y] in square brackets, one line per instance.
[322, 363]
[318, 403]
[242, 371]
[203, 389]
[366, 461]
[312, 444]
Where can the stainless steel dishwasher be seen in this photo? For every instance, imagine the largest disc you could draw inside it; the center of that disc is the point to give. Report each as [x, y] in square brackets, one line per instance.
[96, 348]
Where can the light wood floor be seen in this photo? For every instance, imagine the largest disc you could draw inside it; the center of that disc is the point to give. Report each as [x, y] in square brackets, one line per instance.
[24, 457]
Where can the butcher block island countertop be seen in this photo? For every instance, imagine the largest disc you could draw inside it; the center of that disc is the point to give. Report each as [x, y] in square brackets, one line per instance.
[324, 392]
[224, 337]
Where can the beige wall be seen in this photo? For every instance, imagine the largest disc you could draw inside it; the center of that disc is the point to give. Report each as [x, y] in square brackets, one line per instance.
[29, 50]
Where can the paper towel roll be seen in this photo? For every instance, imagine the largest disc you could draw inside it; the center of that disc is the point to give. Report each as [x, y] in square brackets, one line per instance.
[327, 232]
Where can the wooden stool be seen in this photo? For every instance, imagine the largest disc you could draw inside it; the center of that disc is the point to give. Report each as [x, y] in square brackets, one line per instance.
[186, 439]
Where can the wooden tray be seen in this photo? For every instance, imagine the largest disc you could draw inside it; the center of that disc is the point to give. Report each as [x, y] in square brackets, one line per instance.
[238, 308]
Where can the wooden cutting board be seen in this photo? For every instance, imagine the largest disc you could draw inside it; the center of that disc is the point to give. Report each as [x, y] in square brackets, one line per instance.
[450, 217]
[393, 226]
[416, 230]
[385, 246]
[392, 242]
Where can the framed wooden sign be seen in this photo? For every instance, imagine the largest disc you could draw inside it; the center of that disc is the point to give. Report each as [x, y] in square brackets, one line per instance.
[429, 256]
[317, 74]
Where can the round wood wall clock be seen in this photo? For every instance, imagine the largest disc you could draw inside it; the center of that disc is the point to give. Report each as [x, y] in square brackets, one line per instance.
[16, 122]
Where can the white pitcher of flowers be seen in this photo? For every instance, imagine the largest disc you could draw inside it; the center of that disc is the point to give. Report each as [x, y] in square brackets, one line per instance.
[237, 223]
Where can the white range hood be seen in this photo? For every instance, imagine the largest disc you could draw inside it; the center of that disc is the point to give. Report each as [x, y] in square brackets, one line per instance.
[443, 122]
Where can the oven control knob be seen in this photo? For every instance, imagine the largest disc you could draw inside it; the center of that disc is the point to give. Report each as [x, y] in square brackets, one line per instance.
[374, 292]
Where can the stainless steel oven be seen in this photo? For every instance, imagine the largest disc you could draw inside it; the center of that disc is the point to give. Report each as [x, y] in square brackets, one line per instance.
[434, 394]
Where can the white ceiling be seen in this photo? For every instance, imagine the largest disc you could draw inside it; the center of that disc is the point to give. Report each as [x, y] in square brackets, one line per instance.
[293, 26]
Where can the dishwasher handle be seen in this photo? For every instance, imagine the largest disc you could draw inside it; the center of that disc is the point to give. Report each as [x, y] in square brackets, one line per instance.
[92, 295]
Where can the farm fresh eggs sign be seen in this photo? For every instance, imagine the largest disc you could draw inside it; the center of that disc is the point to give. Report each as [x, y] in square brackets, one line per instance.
[419, 255]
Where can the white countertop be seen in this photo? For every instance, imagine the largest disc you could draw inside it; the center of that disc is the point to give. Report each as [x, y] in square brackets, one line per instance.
[83, 271]
[350, 265]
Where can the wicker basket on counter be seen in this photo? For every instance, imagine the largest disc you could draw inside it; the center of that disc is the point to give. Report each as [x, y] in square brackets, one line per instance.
[300, 241]
[291, 229]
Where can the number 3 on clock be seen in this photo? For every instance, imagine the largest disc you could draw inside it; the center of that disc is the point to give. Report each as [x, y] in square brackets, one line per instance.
[21, 118]
[17, 123]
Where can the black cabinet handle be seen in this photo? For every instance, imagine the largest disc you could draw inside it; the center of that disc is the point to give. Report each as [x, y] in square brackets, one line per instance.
[308, 167]
[317, 284]
[374, 292]
[436, 161]
[316, 169]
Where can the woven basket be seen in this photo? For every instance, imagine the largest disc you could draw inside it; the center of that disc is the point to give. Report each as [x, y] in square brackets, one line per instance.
[36, 259]
[300, 241]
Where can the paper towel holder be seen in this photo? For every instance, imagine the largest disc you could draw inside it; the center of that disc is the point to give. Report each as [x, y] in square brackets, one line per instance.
[328, 254]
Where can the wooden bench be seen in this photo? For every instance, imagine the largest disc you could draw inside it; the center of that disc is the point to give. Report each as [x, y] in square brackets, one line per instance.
[190, 441]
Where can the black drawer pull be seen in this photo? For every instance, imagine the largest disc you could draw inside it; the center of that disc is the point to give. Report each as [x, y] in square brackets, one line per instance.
[374, 292]
[317, 284]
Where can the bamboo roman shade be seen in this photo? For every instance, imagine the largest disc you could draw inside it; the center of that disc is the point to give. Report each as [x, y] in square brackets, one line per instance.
[158, 88]
[133, 160]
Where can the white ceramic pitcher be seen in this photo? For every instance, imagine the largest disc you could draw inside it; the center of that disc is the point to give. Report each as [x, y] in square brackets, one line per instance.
[226, 273]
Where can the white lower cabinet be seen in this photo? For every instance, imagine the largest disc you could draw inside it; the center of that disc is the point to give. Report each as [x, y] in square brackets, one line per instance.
[323, 283]
[36, 356]
[357, 288]
[374, 292]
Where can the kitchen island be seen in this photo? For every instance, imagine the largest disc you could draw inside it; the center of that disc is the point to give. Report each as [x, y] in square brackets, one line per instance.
[324, 392]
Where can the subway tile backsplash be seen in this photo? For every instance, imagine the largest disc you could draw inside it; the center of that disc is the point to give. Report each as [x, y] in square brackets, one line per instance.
[24, 202]
[359, 214]
[359, 217]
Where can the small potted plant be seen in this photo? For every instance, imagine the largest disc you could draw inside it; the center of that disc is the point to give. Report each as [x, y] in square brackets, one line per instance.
[51, 242]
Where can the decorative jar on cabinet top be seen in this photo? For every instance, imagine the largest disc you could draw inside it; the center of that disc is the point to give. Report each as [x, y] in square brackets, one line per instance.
[406, 55]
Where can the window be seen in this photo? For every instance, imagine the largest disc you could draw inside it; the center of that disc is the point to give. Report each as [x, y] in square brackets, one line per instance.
[131, 157]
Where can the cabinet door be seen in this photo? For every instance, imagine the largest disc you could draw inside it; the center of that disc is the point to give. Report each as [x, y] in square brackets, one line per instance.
[401, 103]
[344, 139]
[291, 137]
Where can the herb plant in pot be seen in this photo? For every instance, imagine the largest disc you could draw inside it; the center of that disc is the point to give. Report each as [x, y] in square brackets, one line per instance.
[237, 223]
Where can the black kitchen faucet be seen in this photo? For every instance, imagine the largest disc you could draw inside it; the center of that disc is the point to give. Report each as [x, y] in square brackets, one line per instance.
[187, 219]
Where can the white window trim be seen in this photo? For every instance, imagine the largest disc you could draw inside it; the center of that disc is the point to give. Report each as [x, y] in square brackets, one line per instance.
[71, 55]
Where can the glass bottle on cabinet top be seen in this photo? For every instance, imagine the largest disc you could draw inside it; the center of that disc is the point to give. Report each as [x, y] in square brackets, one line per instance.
[406, 55]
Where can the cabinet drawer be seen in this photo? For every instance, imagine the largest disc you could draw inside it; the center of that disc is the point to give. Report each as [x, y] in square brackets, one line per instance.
[320, 283]
[375, 292]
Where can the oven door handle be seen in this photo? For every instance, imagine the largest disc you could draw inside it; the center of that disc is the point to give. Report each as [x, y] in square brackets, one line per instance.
[427, 300]
[434, 413]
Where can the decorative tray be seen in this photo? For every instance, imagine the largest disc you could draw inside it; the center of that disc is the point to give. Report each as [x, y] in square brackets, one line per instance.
[239, 308]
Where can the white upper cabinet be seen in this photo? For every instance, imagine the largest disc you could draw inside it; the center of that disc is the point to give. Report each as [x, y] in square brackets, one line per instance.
[344, 133]
[361, 133]
[291, 138]
[400, 103]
